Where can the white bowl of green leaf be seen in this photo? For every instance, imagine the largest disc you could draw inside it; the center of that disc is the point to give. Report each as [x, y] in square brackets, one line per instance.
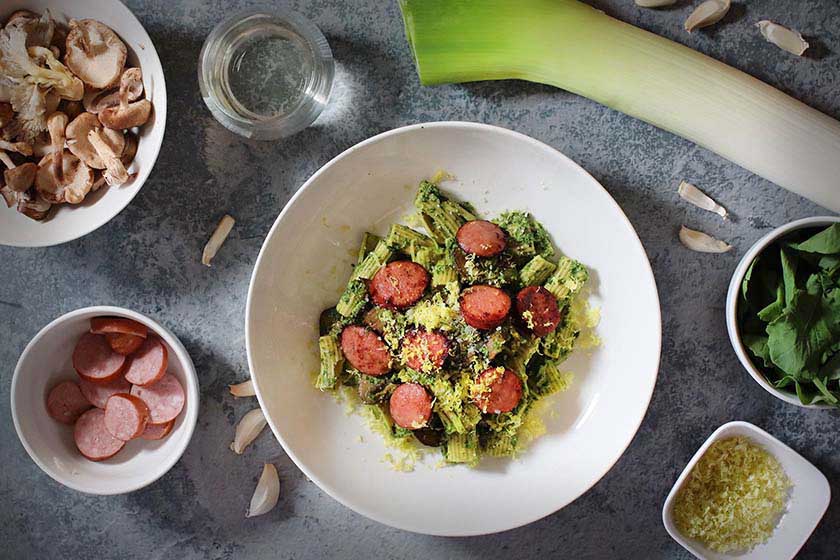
[783, 312]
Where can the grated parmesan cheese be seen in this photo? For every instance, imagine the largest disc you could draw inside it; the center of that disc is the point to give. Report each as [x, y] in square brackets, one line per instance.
[733, 498]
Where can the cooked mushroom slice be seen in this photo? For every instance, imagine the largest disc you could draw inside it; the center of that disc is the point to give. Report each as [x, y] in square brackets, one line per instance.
[94, 53]
[115, 172]
[33, 205]
[23, 148]
[6, 114]
[76, 179]
[127, 115]
[77, 139]
[17, 177]
[97, 100]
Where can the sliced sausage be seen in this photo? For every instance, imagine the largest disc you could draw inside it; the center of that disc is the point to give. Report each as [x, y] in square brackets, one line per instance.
[98, 394]
[92, 437]
[94, 360]
[424, 350]
[398, 284]
[124, 344]
[119, 325]
[148, 364]
[537, 309]
[484, 307]
[126, 416]
[66, 402]
[165, 399]
[157, 431]
[501, 390]
[481, 238]
[411, 406]
[365, 350]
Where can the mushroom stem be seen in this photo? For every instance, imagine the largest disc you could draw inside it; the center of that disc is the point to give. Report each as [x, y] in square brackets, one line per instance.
[23, 148]
[7, 161]
[115, 172]
[56, 125]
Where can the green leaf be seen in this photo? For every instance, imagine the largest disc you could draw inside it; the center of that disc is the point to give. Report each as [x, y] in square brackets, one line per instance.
[745, 283]
[831, 369]
[789, 266]
[775, 309]
[757, 345]
[805, 397]
[828, 396]
[800, 336]
[829, 263]
[826, 242]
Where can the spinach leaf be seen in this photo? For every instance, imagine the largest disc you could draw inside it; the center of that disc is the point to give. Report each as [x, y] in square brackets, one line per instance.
[775, 309]
[757, 345]
[827, 395]
[800, 336]
[831, 369]
[789, 265]
[826, 242]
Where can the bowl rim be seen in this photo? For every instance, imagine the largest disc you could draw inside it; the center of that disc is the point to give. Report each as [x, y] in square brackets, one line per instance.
[761, 437]
[732, 302]
[159, 110]
[329, 489]
[192, 391]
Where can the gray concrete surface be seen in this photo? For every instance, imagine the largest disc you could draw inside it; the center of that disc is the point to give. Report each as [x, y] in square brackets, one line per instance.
[147, 259]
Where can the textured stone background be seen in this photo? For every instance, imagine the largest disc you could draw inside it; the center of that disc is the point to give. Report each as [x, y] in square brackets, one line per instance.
[147, 259]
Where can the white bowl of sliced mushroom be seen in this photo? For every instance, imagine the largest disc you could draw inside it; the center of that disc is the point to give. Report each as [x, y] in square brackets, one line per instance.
[82, 116]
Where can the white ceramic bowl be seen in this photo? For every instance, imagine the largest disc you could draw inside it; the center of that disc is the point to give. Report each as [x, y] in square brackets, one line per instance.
[733, 299]
[71, 222]
[305, 263]
[47, 360]
[808, 500]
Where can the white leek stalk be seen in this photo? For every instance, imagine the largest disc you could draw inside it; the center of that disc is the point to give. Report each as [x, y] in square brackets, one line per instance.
[575, 47]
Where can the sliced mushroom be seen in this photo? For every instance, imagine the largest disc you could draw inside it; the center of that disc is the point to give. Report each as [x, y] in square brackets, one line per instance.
[18, 178]
[21, 16]
[78, 143]
[23, 148]
[97, 100]
[127, 115]
[75, 181]
[94, 53]
[130, 150]
[6, 114]
[41, 146]
[33, 205]
[115, 172]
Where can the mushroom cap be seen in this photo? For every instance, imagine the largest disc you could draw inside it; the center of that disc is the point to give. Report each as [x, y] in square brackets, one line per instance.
[33, 205]
[6, 113]
[130, 150]
[122, 117]
[94, 53]
[78, 143]
[21, 16]
[20, 178]
[10, 196]
[77, 180]
[71, 108]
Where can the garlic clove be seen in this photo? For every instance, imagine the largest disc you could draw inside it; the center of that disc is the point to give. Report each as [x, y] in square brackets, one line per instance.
[701, 242]
[217, 239]
[266, 493]
[655, 3]
[784, 38]
[708, 13]
[247, 430]
[244, 389]
[695, 196]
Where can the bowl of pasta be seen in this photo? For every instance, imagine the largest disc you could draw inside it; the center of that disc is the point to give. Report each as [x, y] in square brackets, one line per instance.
[466, 291]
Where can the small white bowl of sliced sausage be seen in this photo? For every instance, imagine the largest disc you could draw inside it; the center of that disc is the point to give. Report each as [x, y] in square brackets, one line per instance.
[105, 400]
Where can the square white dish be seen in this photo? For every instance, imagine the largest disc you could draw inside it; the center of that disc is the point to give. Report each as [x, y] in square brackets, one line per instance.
[808, 501]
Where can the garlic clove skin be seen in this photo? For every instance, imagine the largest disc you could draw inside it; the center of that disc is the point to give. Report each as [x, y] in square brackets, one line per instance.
[247, 430]
[708, 13]
[266, 493]
[695, 196]
[702, 242]
[784, 38]
[655, 3]
[244, 389]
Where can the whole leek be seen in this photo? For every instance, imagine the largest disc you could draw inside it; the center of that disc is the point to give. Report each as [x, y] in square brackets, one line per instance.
[575, 47]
